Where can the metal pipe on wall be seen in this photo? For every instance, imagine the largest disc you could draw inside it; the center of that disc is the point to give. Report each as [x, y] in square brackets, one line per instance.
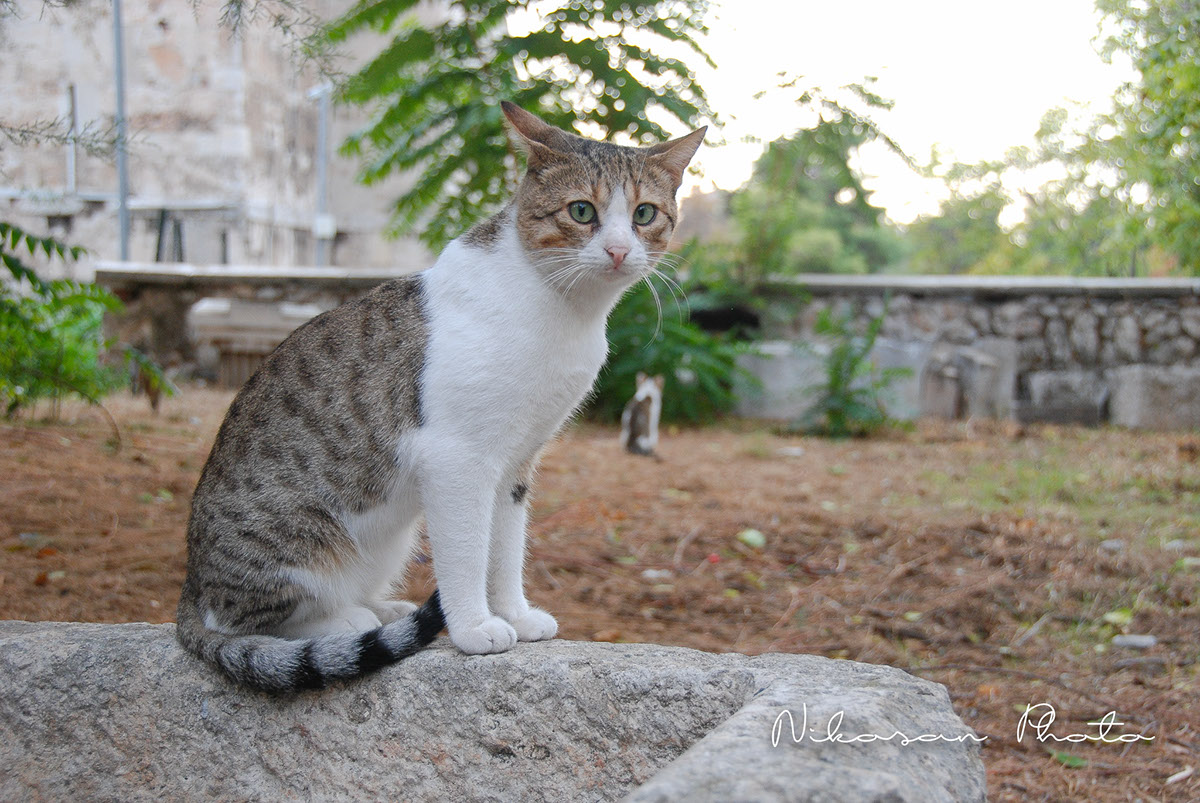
[122, 161]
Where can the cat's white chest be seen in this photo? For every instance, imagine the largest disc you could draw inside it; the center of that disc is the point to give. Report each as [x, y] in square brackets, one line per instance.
[507, 361]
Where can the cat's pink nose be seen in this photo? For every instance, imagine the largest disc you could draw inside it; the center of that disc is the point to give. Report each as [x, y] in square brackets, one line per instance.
[617, 253]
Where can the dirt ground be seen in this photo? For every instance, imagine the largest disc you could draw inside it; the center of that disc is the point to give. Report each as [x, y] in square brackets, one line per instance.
[998, 560]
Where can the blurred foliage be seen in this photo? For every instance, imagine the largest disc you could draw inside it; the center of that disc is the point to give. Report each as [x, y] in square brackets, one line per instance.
[804, 209]
[850, 402]
[1124, 197]
[50, 331]
[1156, 143]
[965, 237]
[435, 91]
[700, 368]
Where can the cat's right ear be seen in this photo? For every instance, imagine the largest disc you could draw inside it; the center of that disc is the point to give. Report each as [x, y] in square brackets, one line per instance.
[533, 136]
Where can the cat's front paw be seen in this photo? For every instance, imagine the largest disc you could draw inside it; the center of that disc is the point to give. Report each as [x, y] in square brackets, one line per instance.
[493, 635]
[535, 625]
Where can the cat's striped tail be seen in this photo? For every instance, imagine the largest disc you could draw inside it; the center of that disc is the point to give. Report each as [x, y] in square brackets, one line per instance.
[277, 665]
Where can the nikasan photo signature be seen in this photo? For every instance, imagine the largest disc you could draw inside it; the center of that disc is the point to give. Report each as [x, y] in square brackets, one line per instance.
[1036, 720]
[1040, 717]
[834, 726]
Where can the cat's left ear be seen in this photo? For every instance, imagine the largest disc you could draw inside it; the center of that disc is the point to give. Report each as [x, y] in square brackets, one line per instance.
[677, 153]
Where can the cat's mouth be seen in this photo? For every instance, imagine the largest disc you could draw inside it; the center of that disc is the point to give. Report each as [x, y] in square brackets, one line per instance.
[626, 271]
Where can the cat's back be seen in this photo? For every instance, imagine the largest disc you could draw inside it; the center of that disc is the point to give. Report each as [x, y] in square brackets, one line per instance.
[325, 409]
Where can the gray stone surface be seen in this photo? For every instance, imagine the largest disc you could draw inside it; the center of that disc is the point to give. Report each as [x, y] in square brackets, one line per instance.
[1152, 397]
[989, 373]
[119, 712]
[785, 372]
[1070, 396]
[902, 396]
[965, 381]
[1189, 321]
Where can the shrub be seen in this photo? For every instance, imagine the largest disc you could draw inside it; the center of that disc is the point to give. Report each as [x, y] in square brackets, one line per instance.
[50, 331]
[850, 402]
[699, 367]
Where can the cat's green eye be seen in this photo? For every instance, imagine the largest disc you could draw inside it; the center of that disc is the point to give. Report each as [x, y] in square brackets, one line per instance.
[582, 211]
[644, 214]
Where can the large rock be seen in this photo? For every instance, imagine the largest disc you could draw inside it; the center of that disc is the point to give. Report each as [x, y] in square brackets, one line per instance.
[119, 712]
[1153, 397]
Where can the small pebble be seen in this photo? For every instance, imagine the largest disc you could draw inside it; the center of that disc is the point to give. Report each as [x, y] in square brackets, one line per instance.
[1113, 545]
[1134, 642]
[657, 574]
[1176, 545]
[33, 540]
[790, 451]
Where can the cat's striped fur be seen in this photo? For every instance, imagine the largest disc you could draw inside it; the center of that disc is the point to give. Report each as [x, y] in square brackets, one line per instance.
[310, 437]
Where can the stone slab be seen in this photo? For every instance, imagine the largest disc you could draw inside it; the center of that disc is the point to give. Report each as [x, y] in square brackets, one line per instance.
[119, 712]
[1071, 396]
[1154, 397]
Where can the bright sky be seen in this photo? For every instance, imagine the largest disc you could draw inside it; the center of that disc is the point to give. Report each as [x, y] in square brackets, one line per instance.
[972, 77]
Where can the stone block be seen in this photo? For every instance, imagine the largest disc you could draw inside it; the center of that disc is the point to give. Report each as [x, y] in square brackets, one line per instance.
[1018, 319]
[1085, 337]
[1176, 349]
[1128, 338]
[119, 712]
[785, 373]
[902, 397]
[1065, 397]
[976, 380]
[1057, 342]
[1153, 397]
[989, 371]
[1189, 320]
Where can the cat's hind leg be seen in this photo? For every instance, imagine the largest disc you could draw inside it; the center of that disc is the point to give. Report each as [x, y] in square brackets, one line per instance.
[350, 619]
[393, 557]
[389, 610]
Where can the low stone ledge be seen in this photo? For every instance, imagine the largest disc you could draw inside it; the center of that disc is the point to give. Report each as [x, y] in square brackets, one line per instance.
[120, 712]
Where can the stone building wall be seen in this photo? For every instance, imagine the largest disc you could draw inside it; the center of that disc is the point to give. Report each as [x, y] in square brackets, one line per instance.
[1125, 351]
[223, 137]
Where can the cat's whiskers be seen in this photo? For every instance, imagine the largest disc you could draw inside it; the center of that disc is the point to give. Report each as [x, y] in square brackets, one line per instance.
[657, 307]
[566, 277]
[671, 260]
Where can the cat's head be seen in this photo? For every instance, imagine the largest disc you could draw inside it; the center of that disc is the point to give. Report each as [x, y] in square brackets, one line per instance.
[594, 215]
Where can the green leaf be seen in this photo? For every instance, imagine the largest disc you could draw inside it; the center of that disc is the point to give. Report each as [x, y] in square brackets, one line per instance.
[1068, 760]
[1121, 617]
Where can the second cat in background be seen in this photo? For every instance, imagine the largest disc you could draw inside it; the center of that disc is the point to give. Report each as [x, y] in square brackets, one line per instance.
[639, 421]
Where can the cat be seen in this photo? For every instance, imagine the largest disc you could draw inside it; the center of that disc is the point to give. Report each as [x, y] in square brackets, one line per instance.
[639, 420]
[431, 397]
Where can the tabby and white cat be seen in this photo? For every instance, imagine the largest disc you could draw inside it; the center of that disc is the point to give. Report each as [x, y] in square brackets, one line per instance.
[639, 419]
[430, 397]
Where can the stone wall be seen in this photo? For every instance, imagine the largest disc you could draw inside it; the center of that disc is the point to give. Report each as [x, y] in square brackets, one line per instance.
[265, 303]
[1125, 351]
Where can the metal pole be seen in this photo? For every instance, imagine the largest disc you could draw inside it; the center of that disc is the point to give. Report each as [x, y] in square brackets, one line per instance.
[322, 224]
[73, 145]
[122, 165]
